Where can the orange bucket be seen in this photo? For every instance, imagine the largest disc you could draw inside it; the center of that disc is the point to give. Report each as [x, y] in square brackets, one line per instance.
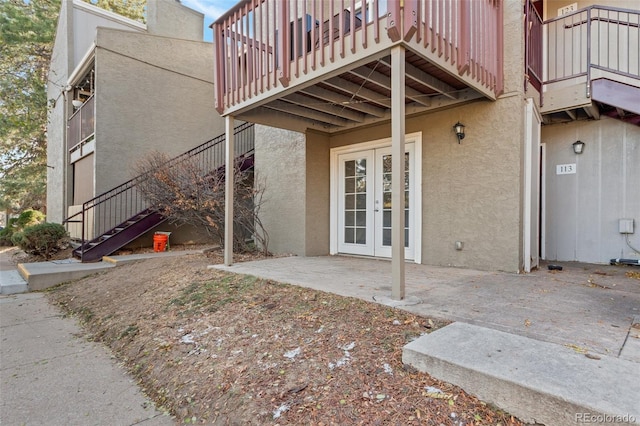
[160, 242]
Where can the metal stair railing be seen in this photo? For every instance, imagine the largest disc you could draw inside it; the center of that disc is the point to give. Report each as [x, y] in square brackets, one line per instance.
[115, 206]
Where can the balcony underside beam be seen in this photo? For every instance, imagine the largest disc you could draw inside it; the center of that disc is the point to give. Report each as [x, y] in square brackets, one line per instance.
[329, 106]
[329, 119]
[427, 80]
[323, 106]
[360, 91]
[371, 75]
[339, 99]
[299, 117]
[592, 111]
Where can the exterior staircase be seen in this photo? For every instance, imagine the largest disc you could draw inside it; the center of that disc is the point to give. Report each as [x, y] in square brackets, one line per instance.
[117, 217]
[119, 236]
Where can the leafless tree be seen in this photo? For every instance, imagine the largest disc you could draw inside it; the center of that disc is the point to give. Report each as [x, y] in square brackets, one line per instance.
[186, 194]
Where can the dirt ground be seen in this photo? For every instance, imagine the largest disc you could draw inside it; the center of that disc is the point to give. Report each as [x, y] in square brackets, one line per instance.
[211, 347]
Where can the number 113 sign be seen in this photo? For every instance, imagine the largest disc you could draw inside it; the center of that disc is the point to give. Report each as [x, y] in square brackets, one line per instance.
[566, 169]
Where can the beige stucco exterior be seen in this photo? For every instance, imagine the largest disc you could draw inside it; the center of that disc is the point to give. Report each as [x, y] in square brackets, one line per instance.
[471, 192]
[280, 166]
[153, 91]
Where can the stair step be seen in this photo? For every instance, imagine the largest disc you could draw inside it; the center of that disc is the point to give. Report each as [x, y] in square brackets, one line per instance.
[538, 382]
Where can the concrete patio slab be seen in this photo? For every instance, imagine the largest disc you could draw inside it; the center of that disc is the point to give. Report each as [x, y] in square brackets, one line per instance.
[536, 381]
[546, 346]
[586, 306]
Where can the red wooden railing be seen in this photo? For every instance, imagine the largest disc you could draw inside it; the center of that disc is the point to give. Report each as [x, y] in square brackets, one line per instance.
[261, 45]
[533, 46]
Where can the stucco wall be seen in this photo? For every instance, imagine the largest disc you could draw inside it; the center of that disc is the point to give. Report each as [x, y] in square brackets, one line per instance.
[152, 93]
[86, 18]
[59, 69]
[280, 166]
[470, 191]
[75, 33]
[169, 18]
[317, 194]
[583, 209]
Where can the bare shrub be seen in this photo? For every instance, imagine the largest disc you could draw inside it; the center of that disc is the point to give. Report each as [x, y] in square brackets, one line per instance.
[186, 194]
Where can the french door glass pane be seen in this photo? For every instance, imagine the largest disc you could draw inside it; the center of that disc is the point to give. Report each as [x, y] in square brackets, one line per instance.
[355, 201]
[386, 200]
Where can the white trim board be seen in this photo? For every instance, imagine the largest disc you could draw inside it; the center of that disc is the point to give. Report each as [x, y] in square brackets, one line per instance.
[416, 139]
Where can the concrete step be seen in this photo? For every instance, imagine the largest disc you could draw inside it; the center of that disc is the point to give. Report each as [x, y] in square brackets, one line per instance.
[538, 382]
[42, 275]
[11, 282]
[631, 348]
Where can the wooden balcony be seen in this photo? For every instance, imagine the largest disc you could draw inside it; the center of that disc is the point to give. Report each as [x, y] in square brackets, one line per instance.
[591, 66]
[327, 64]
[81, 129]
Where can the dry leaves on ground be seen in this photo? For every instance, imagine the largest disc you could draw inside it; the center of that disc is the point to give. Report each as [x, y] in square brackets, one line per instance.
[218, 348]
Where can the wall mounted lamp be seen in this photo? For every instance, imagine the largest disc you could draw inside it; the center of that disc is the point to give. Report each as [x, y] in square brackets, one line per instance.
[459, 129]
[77, 103]
[578, 147]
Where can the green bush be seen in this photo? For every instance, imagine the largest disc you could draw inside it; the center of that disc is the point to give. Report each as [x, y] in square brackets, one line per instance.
[29, 218]
[7, 232]
[43, 239]
[16, 224]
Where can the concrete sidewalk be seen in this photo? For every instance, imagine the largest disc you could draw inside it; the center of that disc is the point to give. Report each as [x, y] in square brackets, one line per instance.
[48, 376]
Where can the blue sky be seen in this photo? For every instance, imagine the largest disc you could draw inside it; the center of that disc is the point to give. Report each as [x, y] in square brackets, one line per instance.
[212, 9]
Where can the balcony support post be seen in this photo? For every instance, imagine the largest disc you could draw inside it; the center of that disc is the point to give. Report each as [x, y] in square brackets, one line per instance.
[228, 191]
[397, 170]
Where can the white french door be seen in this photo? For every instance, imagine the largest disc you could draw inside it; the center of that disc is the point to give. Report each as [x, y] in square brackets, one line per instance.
[364, 202]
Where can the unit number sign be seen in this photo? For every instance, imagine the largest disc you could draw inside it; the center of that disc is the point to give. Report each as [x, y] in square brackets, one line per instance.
[568, 9]
[566, 169]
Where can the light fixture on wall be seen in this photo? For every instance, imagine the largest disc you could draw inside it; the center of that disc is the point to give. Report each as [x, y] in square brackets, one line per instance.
[459, 129]
[578, 147]
[77, 103]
